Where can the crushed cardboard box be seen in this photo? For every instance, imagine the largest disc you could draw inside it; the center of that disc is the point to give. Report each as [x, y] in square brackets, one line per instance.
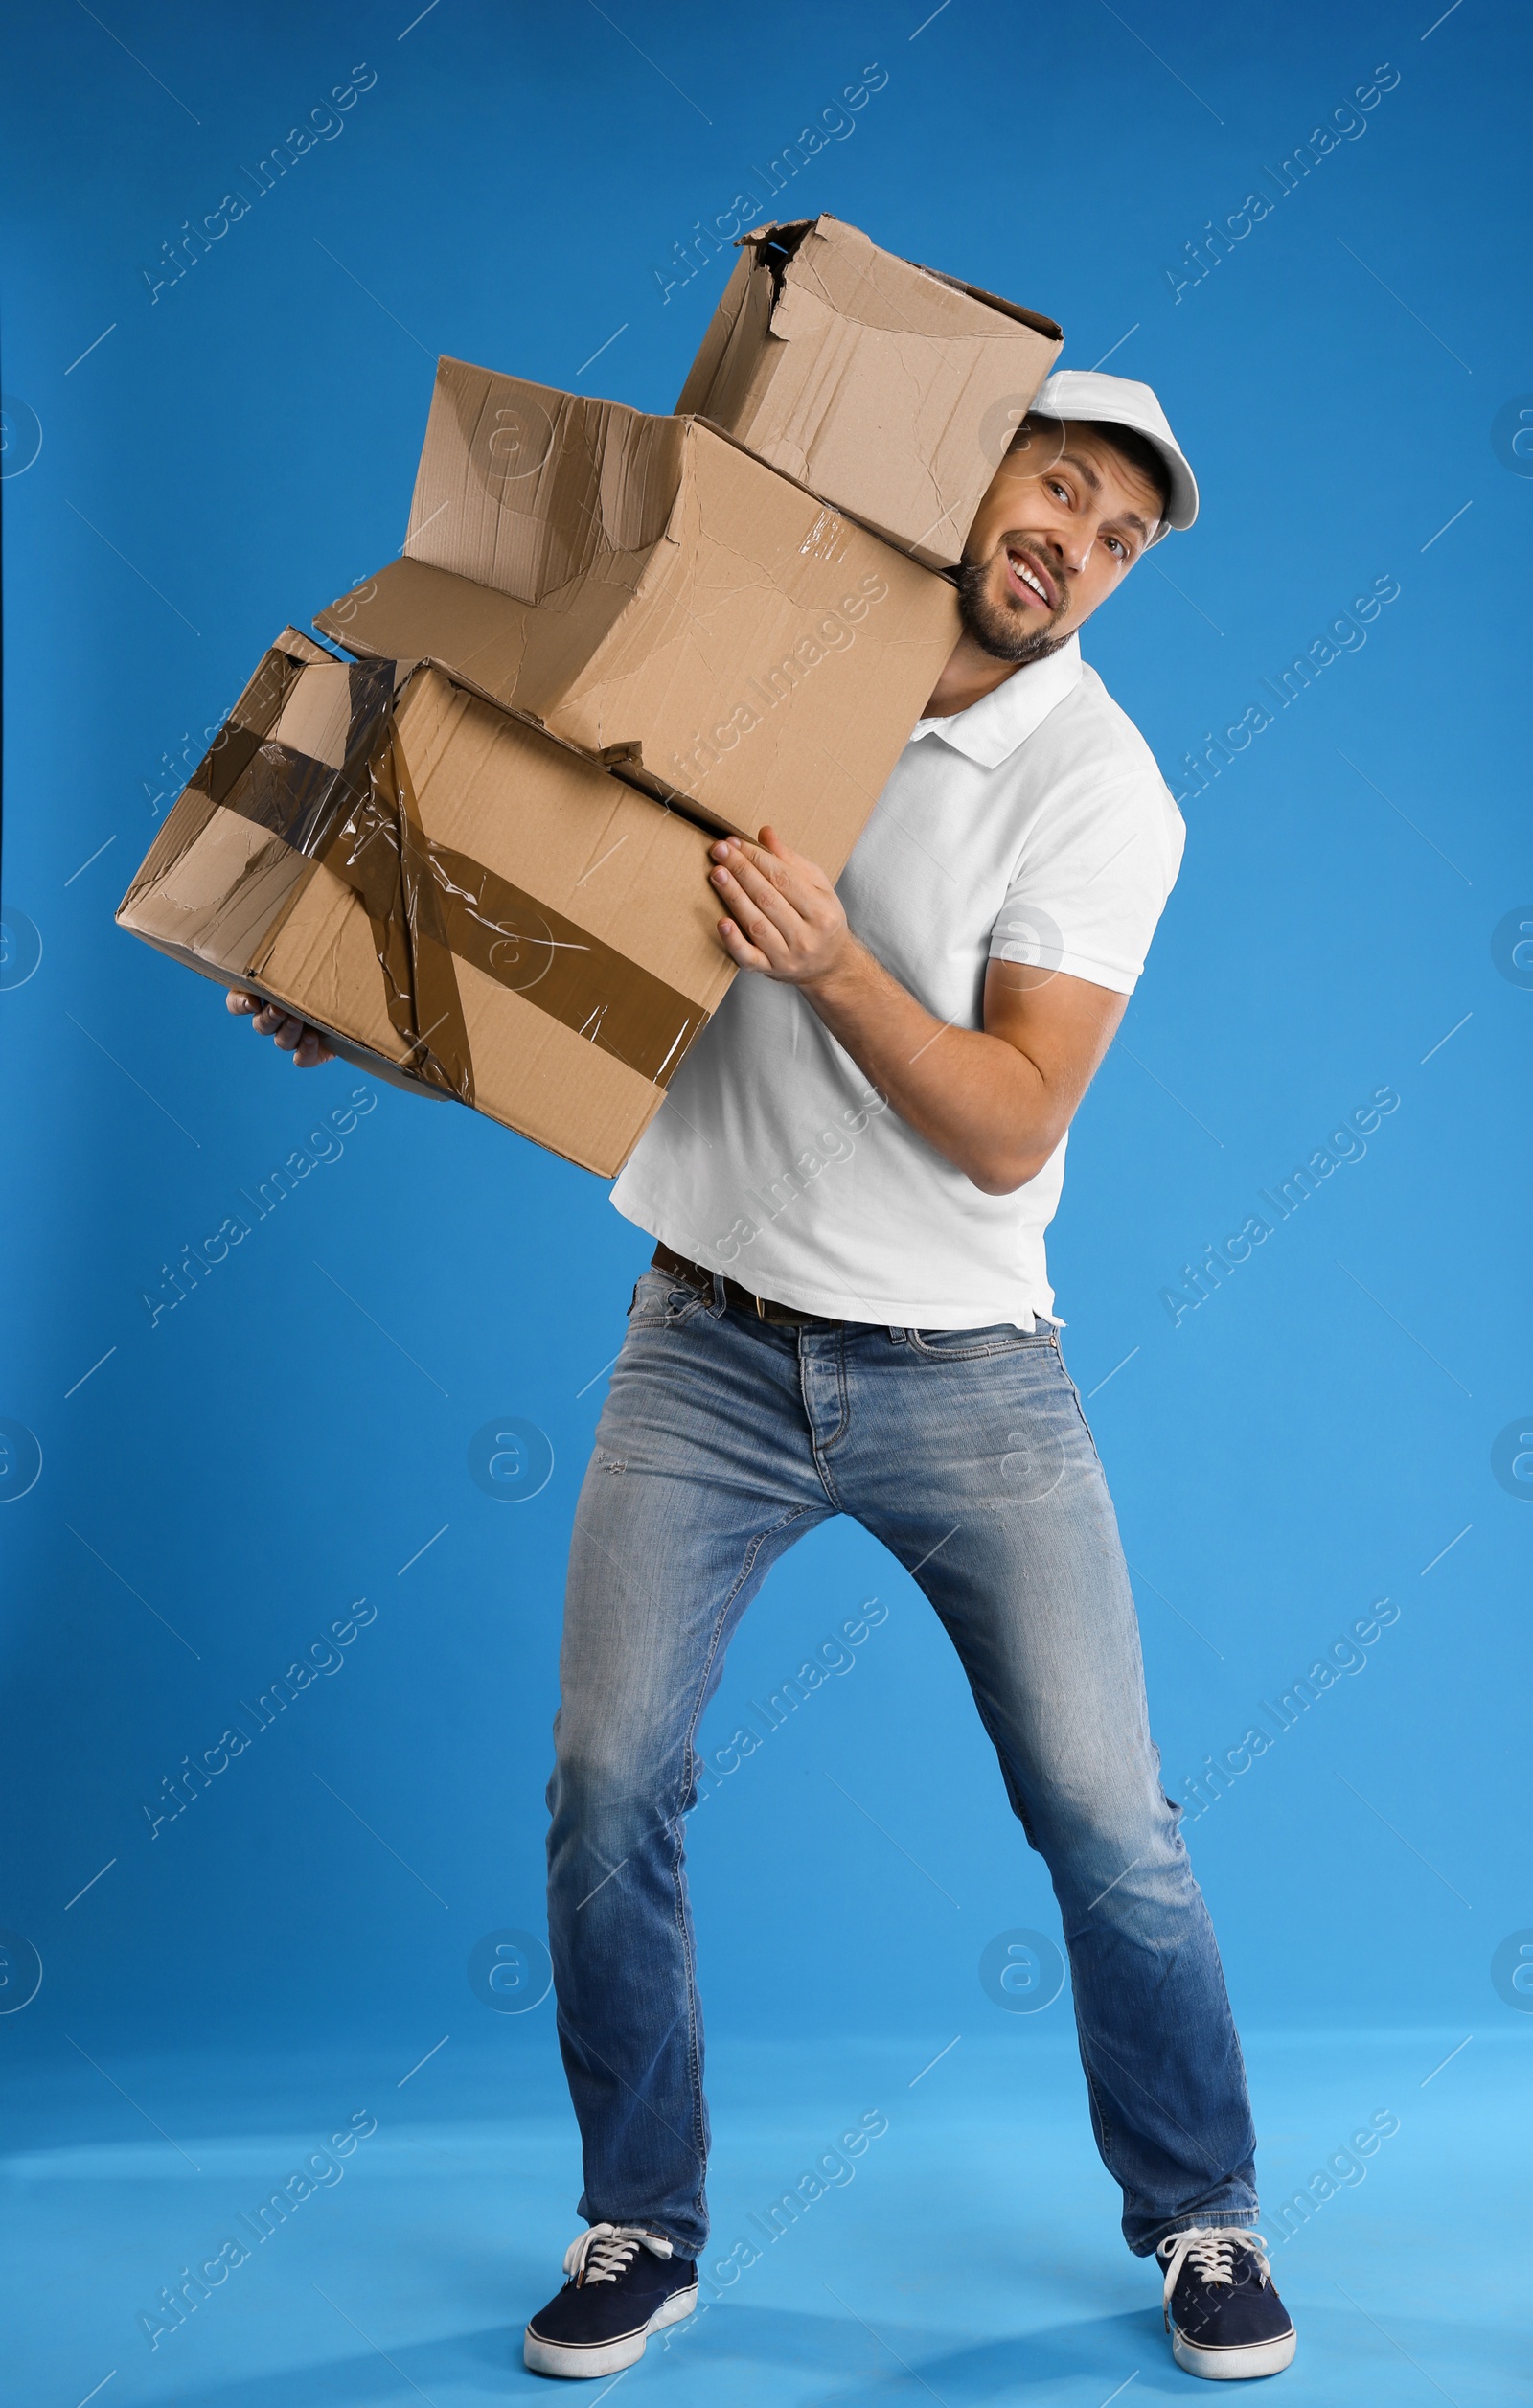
[651, 592]
[889, 390]
[460, 902]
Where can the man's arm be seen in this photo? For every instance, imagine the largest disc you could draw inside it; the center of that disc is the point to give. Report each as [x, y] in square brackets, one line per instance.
[995, 1101]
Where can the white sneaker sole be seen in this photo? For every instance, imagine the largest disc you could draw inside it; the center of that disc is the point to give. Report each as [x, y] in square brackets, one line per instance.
[608, 2357]
[1234, 2366]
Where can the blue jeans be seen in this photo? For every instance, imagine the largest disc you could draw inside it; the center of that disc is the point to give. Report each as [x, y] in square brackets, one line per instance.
[723, 1439]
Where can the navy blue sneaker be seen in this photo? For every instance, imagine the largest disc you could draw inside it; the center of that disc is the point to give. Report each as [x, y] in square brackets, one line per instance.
[624, 2284]
[1222, 2308]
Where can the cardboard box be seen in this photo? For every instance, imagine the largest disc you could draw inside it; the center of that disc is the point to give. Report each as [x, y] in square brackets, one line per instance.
[463, 904]
[647, 590]
[886, 388]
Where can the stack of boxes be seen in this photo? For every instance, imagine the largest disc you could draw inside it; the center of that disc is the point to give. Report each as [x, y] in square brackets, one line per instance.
[475, 852]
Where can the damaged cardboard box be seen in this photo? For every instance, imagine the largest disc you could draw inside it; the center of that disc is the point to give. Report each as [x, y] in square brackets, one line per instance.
[463, 903]
[651, 593]
[889, 390]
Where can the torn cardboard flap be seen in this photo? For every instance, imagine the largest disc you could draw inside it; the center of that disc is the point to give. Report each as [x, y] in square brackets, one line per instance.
[529, 489]
[463, 903]
[887, 388]
[653, 594]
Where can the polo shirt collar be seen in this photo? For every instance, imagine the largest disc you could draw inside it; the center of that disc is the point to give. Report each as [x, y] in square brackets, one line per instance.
[991, 729]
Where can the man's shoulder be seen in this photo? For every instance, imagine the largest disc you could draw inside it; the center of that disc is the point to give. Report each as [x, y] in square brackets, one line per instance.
[1091, 729]
[1088, 759]
[1103, 839]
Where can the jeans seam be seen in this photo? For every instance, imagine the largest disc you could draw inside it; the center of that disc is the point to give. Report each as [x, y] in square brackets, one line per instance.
[1174, 2224]
[843, 1424]
[1009, 1771]
[1080, 1409]
[693, 2064]
[1105, 2134]
[694, 2061]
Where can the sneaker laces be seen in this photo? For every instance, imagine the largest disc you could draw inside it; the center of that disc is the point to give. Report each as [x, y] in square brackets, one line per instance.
[605, 2251]
[1212, 2248]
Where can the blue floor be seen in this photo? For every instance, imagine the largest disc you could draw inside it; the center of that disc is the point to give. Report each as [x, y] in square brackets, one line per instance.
[973, 2256]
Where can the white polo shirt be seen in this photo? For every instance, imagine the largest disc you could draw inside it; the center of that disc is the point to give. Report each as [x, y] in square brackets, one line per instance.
[1035, 827]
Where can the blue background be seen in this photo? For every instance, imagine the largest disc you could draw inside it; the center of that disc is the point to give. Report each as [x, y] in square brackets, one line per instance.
[217, 1488]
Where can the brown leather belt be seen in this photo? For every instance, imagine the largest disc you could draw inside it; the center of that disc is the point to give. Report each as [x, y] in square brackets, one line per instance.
[760, 1307]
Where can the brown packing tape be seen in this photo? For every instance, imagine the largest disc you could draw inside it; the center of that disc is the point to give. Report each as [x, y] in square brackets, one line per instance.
[430, 904]
[378, 850]
[561, 968]
[311, 805]
[252, 721]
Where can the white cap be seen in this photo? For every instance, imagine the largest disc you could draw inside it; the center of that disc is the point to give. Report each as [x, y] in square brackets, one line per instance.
[1077, 393]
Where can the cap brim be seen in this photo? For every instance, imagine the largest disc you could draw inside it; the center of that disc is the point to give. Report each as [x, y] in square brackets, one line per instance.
[1181, 499]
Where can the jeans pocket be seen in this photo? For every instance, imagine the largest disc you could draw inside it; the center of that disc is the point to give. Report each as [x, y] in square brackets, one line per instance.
[970, 1345]
[661, 1302]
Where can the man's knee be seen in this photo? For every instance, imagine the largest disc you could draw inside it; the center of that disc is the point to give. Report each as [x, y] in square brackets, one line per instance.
[606, 1792]
[1107, 1830]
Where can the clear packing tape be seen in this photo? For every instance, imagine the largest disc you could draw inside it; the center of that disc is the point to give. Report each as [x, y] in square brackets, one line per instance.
[429, 905]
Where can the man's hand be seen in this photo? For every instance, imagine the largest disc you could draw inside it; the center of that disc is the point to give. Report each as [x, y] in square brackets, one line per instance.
[994, 1100]
[788, 918]
[294, 1036]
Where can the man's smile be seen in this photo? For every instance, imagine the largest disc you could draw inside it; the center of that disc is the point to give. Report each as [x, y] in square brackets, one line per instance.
[1028, 579]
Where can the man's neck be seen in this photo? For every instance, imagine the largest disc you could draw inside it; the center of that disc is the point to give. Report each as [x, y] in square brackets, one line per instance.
[971, 673]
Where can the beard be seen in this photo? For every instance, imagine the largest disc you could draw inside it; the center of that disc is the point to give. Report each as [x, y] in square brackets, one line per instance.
[998, 627]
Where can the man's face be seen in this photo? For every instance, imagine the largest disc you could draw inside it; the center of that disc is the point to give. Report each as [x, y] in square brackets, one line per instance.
[1063, 521]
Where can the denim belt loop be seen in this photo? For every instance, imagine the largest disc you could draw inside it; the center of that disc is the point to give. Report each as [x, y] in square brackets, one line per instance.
[721, 1302]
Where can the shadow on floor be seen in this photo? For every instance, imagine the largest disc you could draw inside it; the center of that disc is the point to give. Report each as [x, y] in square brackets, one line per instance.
[862, 2367]
[785, 2357]
[836, 2359]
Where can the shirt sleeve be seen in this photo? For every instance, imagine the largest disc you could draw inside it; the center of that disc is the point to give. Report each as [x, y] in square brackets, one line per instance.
[1092, 878]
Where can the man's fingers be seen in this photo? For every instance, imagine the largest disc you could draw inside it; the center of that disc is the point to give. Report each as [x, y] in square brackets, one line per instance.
[799, 868]
[293, 1035]
[771, 930]
[740, 949]
[738, 850]
[788, 874]
[802, 883]
[753, 898]
[771, 842]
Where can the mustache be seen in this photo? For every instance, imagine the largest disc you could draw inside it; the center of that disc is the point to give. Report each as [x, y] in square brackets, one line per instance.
[1034, 552]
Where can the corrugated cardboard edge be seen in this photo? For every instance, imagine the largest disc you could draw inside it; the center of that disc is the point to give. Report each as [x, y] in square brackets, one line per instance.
[947, 571]
[241, 982]
[1033, 320]
[743, 282]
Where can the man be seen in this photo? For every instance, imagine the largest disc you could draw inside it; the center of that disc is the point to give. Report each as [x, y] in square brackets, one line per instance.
[849, 1312]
